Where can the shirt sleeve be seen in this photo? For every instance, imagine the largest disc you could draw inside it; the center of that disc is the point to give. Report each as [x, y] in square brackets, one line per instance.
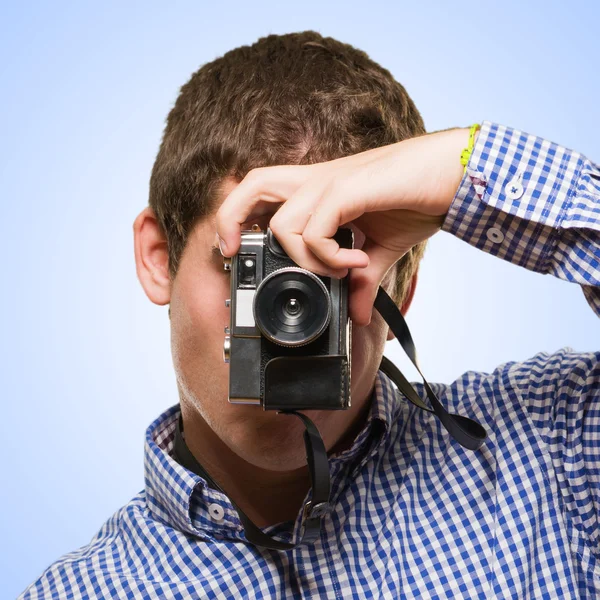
[533, 203]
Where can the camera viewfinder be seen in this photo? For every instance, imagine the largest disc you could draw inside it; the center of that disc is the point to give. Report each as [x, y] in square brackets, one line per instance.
[247, 270]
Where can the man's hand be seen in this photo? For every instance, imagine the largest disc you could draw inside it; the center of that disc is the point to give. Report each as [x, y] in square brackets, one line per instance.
[396, 195]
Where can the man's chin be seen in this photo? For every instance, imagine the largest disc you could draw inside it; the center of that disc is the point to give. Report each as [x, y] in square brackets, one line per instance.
[275, 445]
[276, 461]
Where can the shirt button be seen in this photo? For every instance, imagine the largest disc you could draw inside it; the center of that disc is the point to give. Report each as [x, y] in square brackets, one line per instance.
[495, 235]
[514, 190]
[216, 512]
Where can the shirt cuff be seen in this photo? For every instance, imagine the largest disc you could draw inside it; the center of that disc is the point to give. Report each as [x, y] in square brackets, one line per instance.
[514, 196]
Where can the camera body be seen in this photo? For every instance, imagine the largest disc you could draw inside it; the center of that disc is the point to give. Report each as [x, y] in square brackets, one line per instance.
[289, 341]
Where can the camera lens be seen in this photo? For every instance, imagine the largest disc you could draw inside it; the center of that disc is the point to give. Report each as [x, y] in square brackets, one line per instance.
[292, 307]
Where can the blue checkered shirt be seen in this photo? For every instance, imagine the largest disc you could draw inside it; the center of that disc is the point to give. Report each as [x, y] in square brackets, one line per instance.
[415, 515]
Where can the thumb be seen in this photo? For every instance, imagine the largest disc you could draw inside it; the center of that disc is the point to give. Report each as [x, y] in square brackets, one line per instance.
[365, 282]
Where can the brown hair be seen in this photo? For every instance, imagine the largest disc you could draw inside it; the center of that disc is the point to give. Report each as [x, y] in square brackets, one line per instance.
[299, 98]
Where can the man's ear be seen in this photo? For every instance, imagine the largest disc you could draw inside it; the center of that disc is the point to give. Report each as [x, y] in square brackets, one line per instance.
[152, 257]
[407, 302]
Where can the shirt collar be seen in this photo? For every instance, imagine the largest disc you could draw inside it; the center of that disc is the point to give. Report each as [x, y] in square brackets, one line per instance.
[183, 500]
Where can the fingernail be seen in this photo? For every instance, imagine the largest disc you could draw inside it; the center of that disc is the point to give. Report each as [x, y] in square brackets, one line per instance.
[222, 245]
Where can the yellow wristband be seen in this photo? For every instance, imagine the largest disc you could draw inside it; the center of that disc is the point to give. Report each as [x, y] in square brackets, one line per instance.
[465, 155]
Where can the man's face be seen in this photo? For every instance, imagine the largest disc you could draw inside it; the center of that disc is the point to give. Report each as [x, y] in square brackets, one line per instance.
[198, 319]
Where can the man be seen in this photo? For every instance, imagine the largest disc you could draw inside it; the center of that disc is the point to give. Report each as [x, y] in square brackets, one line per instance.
[412, 513]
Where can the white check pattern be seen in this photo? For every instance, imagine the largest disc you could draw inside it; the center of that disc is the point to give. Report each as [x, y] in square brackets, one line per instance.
[553, 227]
[415, 514]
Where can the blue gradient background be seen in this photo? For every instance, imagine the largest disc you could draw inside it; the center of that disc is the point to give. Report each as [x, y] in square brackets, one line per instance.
[85, 357]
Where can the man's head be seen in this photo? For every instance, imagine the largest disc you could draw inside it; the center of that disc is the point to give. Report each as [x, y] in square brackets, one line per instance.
[291, 99]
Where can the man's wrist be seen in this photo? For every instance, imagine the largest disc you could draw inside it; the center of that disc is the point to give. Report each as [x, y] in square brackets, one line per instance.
[459, 141]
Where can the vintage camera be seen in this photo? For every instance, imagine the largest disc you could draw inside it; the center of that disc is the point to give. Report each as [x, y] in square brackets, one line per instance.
[289, 341]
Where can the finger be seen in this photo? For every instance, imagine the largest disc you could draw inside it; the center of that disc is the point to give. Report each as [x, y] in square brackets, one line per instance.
[364, 283]
[288, 223]
[268, 185]
[296, 249]
[322, 226]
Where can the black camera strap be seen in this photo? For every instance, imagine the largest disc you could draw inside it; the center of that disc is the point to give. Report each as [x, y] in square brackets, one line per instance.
[318, 467]
[465, 431]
